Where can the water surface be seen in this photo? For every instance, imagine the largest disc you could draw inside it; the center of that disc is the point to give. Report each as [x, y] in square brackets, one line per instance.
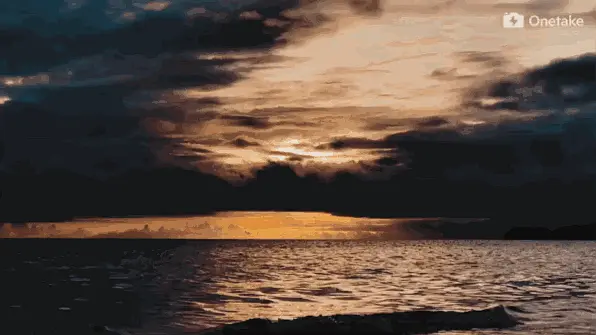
[167, 287]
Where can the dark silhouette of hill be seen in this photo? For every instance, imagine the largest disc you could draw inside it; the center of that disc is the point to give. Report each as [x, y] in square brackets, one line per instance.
[574, 232]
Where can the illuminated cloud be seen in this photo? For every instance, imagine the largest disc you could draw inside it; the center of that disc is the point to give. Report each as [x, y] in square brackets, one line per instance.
[289, 107]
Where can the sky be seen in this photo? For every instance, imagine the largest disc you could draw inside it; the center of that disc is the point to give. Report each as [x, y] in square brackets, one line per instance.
[357, 109]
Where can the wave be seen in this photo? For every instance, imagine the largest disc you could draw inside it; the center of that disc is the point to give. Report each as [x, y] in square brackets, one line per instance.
[413, 322]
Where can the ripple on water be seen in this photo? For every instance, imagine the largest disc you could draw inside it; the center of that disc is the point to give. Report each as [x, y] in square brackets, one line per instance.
[552, 286]
[270, 290]
[324, 291]
[293, 299]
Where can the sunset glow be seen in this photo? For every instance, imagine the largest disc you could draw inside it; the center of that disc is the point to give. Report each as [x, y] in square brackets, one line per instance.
[225, 225]
[343, 84]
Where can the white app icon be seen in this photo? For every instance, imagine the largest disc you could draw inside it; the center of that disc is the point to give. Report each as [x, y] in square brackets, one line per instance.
[513, 20]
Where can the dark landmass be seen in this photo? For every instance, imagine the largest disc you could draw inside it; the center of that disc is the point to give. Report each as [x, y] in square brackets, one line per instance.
[574, 232]
[501, 228]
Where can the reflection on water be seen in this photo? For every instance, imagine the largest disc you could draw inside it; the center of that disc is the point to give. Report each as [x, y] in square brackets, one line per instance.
[169, 286]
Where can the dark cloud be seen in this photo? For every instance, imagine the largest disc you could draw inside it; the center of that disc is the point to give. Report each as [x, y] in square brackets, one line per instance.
[489, 59]
[434, 121]
[447, 73]
[61, 196]
[241, 142]
[407, 123]
[105, 148]
[489, 168]
[247, 121]
[554, 144]
[257, 122]
[366, 6]
[90, 98]
[272, 112]
[494, 62]
[383, 125]
[353, 143]
[387, 161]
[31, 49]
[565, 83]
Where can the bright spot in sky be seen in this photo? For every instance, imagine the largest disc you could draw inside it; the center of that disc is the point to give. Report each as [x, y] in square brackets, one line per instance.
[292, 146]
[298, 151]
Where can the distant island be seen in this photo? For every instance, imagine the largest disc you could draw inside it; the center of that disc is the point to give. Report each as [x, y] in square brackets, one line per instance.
[574, 232]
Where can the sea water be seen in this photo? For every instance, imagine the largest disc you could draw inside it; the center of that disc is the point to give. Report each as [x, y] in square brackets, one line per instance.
[172, 287]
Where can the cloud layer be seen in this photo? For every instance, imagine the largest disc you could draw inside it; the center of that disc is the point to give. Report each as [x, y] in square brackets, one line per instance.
[198, 231]
[111, 122]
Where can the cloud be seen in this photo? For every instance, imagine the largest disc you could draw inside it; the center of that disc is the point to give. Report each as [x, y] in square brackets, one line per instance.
[565, 83]
[40, 230]
[555, 142]
[247, 121]
[149, 34]
[241, 142]
[199, 231]
[549, 151]
[353, 143]
[81, 126]
[486, 58]
[108, 94]
[94, 133]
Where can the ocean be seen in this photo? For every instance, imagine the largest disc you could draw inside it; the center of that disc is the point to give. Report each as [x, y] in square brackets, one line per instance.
[191, 286]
